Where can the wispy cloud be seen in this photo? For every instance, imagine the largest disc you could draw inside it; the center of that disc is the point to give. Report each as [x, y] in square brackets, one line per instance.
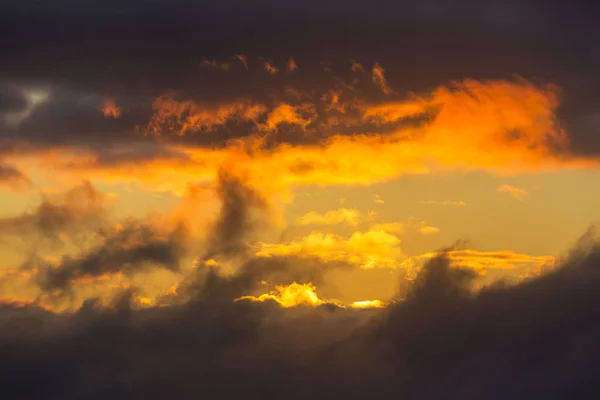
[515, 192]
[443, 203]
[339, 216]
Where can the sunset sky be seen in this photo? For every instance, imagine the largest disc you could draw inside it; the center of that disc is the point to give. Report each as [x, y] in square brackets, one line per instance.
[268, 158]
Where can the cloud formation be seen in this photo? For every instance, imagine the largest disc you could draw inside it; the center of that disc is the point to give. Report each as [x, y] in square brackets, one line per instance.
[331, 217]
[515, 192]
[441, 329]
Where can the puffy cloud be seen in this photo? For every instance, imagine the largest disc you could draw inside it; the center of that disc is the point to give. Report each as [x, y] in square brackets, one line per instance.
[290, 295]
[270, 68]
[371, 249]
[292, 66]
[339, 216]
[440, 328]
[110, 108]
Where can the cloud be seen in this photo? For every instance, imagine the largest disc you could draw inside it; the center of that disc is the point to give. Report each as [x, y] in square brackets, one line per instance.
[514, 123]
[270, 68]
[124, 250]
[216, 64]
[483, 261]
[287, 114]
[428, 230]
[378, 77]
[378, 199]
[289, 296]
[515, 192]
[237, 217]
[371, 249]
[392, 227]
[110, 108]
[357, 67]
[13, 178]
[444, 203]
[242, 59]
[339, 216]
[440, 328]
[79, 209]
[292, 66]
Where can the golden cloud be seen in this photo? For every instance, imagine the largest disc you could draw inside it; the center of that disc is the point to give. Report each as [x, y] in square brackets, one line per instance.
[296, 294]
[498, 126]
[515, 192]
[110, 108]
[371, 249]
[378, 77]
[482, 261]
[339, 216]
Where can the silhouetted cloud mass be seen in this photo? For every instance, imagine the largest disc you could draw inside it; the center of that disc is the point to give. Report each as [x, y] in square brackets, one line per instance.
[534, 339]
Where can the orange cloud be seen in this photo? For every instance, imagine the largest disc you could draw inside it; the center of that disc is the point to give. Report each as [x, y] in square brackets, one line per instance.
[392, 227]
[18, 302]
[182, 117]
[515, 192]
[481, 261]
[270, 68]
[444, 203]
[287, 114]
[110, 109]
[297, 294]
[289, 296]
[292, 66]
[243, 59]
[472, 126]
[357, 67]
[368, 304]
[428, 230]
[339, 216]
[378, 77]
[371, 249]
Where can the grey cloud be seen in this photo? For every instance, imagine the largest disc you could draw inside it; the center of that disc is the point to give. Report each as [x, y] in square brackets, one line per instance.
[535, 339]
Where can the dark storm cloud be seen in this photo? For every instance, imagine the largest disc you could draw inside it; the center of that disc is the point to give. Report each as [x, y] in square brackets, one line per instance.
[533, 340]
[237, 218]
[130, 249]
[136, 50]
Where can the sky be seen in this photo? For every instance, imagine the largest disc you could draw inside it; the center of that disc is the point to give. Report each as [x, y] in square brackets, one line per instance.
[332, 199]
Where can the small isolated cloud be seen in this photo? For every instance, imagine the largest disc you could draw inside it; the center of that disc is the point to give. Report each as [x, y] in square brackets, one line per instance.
[514, 192]
[110, 108]
[243, 59]
[371, 249]
[378, 199]
[428, 230]
[332, 217]
[292, 66]
[378, 76]
[357, 67]
[270, 68]
[443, 203]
